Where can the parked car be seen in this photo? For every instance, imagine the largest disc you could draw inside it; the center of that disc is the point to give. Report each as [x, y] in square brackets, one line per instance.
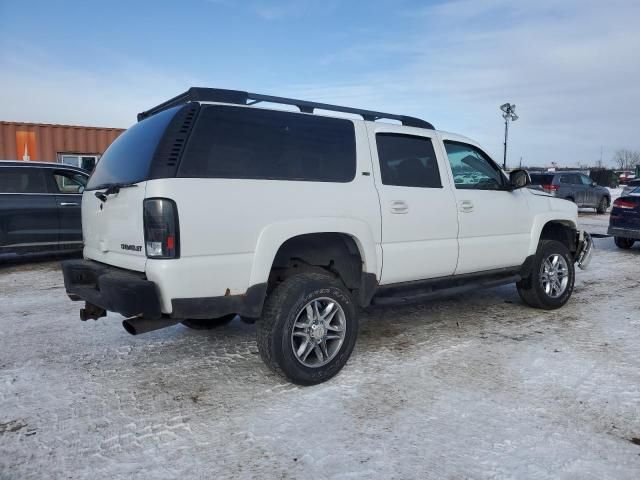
[40, 207]
[202, 211]
[575, 187]
[630, 186]
[624, 222]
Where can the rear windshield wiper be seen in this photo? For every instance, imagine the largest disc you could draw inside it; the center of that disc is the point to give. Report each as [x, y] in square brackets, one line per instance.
[111, 189]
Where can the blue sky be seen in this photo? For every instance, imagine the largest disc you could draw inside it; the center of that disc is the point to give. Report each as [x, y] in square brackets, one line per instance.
[571, 67]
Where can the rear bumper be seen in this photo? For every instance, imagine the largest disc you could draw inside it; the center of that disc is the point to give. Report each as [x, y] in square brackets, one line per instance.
[624, 232]
[125, 292]
[130, 294]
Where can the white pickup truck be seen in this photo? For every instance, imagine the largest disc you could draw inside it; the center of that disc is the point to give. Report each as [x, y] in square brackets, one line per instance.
[210, 207]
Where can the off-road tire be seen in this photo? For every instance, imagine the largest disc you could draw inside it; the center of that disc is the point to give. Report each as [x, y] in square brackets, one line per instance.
[279, 314]
[209, 323]
[530, 288]
[624, 243]
[603, 204]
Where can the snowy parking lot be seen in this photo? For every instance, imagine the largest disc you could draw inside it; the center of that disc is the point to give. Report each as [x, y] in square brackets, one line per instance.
[474, 386]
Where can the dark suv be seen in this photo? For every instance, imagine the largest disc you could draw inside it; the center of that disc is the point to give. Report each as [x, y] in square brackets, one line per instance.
[40, 207]
[575, 187]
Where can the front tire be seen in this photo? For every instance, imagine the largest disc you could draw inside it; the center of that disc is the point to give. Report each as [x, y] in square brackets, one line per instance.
[550, 284]
[308, 328]
[624, 243]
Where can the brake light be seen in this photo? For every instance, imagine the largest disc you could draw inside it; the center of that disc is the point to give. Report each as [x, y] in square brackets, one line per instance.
[549, 188]
[161, 233]
[624, 204]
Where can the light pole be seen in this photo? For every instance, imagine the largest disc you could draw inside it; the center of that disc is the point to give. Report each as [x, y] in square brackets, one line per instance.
[509, 114]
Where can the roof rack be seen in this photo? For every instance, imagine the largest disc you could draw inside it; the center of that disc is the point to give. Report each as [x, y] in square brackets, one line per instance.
[201, 94]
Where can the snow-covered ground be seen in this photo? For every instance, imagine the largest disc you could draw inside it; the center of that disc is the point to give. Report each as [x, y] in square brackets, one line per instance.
[476, 386]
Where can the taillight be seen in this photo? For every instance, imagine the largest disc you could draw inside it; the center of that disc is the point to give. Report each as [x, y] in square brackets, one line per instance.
[549, 188]
[161, 233]
[624, 204]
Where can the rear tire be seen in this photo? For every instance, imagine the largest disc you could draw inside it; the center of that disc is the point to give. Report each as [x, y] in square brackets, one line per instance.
[624, 243]
[208, 323]
[550, 284]
[293, 327]
[603, 204]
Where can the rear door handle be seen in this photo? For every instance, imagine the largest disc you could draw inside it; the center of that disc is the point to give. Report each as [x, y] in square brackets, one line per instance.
[466, 206]
[69, 204]
[399, 206]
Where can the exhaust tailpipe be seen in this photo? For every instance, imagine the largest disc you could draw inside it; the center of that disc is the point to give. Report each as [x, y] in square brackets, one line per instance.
[139, 325]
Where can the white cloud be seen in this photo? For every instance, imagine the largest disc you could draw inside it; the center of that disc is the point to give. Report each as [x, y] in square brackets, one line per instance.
[35, 90]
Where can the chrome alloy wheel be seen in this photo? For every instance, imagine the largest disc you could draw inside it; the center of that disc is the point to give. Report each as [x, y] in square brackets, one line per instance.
[555, 275]
[318, 332]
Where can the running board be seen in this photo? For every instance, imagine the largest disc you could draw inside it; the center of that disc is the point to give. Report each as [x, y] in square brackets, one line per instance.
[429, 292]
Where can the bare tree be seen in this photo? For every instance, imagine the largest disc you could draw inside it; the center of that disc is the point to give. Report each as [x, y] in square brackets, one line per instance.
[626, 159]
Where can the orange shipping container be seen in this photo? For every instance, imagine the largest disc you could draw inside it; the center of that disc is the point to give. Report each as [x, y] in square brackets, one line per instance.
[49, 143]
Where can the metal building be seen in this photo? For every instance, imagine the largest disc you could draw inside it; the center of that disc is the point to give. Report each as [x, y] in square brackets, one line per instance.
[70, 144]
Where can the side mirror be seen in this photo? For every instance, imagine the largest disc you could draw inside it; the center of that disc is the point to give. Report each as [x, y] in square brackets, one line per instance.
[80, 189]
[519, 179]
[594, 184]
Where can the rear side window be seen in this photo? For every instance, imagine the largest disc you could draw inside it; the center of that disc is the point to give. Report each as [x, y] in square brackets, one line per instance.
[22, 180]
[541, 179]
[236, 142]
[407, 161]
[128, 158]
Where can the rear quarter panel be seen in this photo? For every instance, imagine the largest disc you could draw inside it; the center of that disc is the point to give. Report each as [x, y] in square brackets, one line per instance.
[231, 229]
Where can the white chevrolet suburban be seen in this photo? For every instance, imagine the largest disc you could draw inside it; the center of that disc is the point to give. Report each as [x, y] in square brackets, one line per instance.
[210, 207]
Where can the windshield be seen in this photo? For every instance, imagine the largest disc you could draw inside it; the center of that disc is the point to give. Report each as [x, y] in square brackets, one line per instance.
[128, 158]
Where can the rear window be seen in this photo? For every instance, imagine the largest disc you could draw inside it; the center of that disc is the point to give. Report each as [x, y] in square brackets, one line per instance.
[22, 180]
[251, 143]
[128, 158]
[541, 179]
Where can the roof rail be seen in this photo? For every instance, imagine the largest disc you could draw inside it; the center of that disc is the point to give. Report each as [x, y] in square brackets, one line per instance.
[202, 94]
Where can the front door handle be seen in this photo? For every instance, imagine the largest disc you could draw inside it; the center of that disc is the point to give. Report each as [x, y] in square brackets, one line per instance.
[466, 206]
[399, 206]
[69, 204]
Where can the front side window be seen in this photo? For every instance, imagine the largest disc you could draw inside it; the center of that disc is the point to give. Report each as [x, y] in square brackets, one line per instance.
[586, 180]
[22, 180]
[253, 143]
[70, 182]
[472, 169]
[407, 161]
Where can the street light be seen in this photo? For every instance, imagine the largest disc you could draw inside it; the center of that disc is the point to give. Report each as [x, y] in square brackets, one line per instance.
[509, 114]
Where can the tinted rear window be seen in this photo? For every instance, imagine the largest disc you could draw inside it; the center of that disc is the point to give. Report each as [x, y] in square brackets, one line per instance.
[541, 179]
[407, 161]
[128, 158]
[22, 180]
[236, 142]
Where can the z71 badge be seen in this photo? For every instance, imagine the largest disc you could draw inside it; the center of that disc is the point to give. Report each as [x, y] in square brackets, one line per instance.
[134, 248]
